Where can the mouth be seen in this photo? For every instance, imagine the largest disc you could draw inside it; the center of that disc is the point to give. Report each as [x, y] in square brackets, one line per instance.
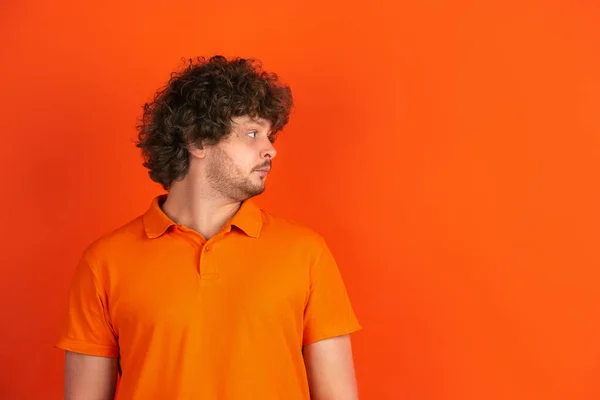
[263, 173]
[264, 170]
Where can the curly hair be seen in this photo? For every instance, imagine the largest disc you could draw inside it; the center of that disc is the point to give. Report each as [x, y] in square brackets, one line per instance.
[197, 105]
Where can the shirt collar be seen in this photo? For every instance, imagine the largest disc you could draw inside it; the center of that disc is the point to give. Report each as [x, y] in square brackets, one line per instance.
[248, 218]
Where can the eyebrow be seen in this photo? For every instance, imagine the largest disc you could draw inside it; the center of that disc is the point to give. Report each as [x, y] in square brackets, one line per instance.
[250, 123]
[260, 122]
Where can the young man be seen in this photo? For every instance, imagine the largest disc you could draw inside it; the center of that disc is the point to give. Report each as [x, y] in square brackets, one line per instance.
[205, 295]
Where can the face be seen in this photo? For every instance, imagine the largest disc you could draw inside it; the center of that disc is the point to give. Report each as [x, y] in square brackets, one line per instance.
[237, 167]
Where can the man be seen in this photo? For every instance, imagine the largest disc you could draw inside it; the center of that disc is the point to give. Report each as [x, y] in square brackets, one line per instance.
[205, 295]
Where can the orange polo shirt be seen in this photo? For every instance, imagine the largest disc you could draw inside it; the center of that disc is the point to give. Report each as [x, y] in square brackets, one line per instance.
[223, 319]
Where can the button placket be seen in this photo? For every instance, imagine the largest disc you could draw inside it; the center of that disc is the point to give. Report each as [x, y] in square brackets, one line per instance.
[208, 265]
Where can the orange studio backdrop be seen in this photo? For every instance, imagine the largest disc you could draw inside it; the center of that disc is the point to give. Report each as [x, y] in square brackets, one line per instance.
[448, 150]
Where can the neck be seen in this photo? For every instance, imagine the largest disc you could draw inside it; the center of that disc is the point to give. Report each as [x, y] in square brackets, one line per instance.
[198, 208]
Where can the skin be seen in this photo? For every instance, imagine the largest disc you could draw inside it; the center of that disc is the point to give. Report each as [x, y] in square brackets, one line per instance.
[90, 377]
[220, 177]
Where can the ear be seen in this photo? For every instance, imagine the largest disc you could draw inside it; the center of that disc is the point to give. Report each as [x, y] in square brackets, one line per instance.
[197, 150]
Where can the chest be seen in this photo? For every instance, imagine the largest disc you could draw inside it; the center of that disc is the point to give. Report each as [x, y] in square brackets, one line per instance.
[216, 287]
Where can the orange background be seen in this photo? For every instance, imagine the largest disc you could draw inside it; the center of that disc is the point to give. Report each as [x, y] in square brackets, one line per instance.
[449, 151]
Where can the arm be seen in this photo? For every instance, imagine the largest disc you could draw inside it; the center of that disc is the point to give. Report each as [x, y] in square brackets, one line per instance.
[90, 377]
[330, 369]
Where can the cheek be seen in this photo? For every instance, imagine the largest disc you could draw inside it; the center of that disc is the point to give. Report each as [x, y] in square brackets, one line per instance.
[246, 159]
[239, 162]
[243, 157]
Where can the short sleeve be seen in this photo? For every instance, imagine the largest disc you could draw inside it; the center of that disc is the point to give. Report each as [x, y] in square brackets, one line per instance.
[328, 312]
[86, 327]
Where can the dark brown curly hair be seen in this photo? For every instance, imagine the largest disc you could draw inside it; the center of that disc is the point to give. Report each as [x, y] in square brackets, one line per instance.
[197, 105]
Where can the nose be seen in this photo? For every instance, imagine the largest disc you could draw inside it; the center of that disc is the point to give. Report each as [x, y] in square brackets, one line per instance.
[269, 150]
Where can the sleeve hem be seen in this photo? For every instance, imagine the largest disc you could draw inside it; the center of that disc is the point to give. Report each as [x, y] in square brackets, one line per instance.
[87, 348]
[331, 332]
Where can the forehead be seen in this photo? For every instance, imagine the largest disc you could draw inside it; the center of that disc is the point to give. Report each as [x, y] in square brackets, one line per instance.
[246, 121]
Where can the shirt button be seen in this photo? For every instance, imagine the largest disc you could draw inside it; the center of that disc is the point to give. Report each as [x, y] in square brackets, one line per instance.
[207, 248]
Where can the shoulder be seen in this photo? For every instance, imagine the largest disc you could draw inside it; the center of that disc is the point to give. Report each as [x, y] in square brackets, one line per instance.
[111, 244]
[292, 232]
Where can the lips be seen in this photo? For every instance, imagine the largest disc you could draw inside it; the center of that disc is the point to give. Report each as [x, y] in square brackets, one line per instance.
[265, 169]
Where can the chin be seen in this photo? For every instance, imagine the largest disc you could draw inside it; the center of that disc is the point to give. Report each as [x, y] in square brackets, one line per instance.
[254, 190]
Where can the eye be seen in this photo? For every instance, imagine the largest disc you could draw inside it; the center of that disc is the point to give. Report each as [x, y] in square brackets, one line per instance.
[252, 133]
